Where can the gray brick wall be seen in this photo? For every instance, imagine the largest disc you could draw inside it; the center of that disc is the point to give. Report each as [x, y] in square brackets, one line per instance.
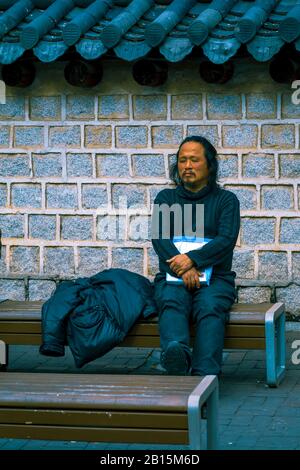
[66, 158]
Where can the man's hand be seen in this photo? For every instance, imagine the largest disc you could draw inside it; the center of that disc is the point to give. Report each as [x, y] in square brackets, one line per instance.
[180, 264]
[191, 279]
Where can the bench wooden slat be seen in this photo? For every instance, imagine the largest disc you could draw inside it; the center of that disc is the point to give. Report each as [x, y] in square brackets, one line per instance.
[17, 315]
[244, 343]
[250, 313]
[20, 327]
[142, 329]
[20, 305]
[97, 418]
[88, 391]
[36, 306]
[138, 341]
[33, 339]
[147, 436]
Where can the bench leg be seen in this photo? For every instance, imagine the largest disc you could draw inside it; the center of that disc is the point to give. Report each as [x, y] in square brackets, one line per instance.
[205, 393]
[275, 349]
[212, 420]
[3, 355]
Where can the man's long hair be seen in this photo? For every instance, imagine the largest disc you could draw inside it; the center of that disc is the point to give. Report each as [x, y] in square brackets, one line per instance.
[211, 158]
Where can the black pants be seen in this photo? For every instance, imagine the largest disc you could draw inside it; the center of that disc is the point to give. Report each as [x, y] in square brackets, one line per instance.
[207, 307]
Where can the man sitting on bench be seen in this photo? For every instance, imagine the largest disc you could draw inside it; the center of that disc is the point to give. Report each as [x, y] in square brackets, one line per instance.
[178, 293]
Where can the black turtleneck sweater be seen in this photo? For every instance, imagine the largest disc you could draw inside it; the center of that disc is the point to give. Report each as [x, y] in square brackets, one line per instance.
[221, 224]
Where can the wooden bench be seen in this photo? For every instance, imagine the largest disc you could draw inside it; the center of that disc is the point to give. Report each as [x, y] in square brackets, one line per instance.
[109, 408]
[251, 326]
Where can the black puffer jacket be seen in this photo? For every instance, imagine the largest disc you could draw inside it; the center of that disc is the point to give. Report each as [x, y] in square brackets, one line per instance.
[92, 315]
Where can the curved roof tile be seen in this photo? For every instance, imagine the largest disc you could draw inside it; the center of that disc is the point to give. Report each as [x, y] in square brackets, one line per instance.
[131, 28]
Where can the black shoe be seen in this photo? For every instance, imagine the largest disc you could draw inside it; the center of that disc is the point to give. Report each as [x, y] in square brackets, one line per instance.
[174, 359]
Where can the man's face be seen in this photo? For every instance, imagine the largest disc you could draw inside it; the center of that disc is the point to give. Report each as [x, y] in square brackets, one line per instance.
[192, 165]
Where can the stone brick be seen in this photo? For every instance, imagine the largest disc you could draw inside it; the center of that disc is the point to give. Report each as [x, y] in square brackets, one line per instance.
[139, 228]
[172, 162]
[291, 297]
[152, 107]
[153, 265]
[92, 260]
[76, 227]
[28, 136]
[94, 196]
[12, 225]
[154, 190]
[166, 136]
[148, 165]
[209, 132]
[111, 227]
[223, 106]
[290, 230]
[46, 108]
[260, 105]
[12, 289]
[14, 108]
[80, 107]
[135, 195]
[228, 166]
[14, 165]
[256, 165]
[272, 265]
[40, 289]
[98, 136]
[131, 136]
[46, 164]
[42, 226]
[26, 195]
[289, 165]
[3, 267]
[277, 197]
[112, 164]
[243, 135]
[186, 107]
[4, 136]
[296, 265]
[113, 107]
[64, 136]
[256, 295]
[3, 195]
[24, 259]
[61, 196]
[289, 109]
[132, 258]
[256, 230]
[79, 164]
[246, 195]
[59, 260]
[278, 136]
[243, 263]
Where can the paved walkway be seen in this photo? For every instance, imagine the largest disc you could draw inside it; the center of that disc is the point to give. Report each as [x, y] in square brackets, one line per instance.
[252, 415]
